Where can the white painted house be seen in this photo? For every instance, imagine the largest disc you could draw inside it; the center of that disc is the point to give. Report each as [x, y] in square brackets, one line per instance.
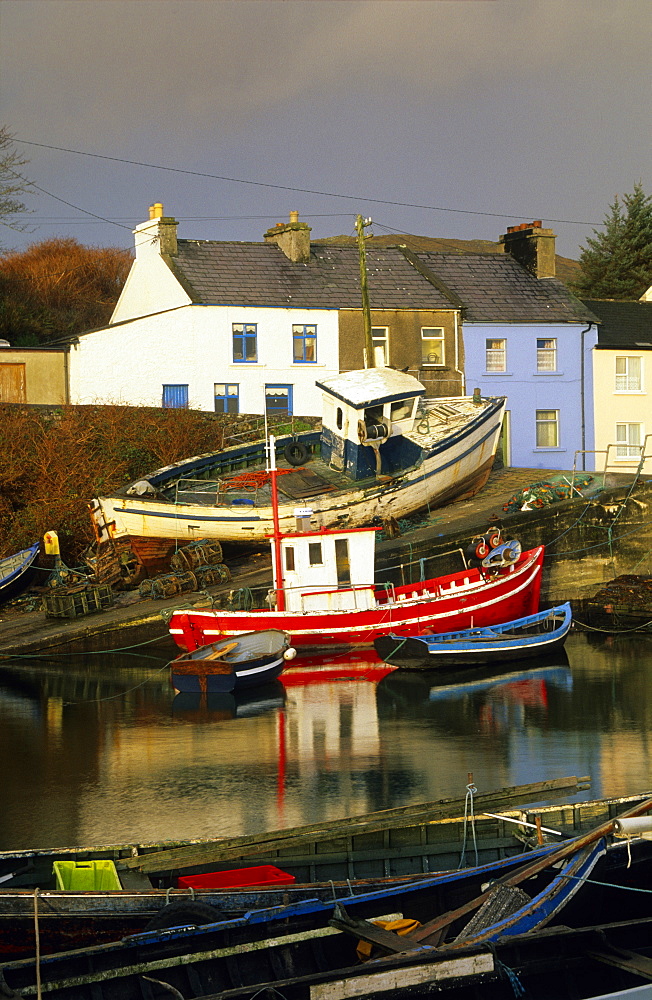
[211, 326]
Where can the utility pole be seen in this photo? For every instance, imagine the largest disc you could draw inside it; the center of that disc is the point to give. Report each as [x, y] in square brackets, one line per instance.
[369, 359]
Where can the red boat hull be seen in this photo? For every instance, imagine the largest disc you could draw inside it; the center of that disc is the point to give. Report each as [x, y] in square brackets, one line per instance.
[472, 597]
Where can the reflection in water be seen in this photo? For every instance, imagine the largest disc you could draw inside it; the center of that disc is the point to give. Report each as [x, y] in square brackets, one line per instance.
[97, 749]
[196, 707]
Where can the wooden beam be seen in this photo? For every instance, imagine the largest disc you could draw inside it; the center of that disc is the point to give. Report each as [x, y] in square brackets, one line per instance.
[234, 848]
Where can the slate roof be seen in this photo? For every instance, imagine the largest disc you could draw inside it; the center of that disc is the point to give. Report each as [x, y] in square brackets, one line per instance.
[259, 274]
[623, 324]
[490, 287]
[496, 289]
[566, 269]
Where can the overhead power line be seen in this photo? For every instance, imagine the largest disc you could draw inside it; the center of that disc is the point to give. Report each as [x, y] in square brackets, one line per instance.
[287, 187]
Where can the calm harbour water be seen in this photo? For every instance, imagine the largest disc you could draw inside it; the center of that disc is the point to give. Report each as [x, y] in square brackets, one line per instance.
[96, 749]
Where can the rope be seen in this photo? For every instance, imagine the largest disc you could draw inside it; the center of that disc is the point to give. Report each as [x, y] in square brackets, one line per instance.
[89, 652]
[611, 631]
[468, 809]
[509, 974]
[37, 939]
[608, 885]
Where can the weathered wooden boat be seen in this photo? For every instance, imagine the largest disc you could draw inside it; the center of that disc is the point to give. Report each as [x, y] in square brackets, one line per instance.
[534, 635]
[381, 457]
[351, 853]
[17, 572]
[325, 594]
[262, 947]
[252, 659]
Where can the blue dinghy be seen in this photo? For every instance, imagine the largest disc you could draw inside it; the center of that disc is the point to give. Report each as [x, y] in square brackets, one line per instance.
[16, 572]
[534, 635]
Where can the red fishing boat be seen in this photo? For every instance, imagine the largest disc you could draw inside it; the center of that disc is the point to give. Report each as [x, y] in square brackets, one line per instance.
[325, 593]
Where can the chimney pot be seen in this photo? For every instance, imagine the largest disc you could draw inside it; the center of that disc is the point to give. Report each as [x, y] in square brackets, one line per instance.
[292, 237]
[533, 247]
[156, 210]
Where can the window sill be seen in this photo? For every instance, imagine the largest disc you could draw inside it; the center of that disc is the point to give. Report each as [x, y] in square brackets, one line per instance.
[498, 374]
[551, 449]
[556, 372]
[630, 392]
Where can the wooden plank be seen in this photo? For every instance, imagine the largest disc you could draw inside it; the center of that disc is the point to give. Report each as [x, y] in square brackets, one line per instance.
[631, 961]
[376, 983]
[207, 852]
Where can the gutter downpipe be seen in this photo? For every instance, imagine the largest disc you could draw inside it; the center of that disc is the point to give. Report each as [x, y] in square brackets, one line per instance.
[583, 394]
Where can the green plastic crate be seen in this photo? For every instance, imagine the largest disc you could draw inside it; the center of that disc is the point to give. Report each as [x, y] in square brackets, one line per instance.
[86, 875]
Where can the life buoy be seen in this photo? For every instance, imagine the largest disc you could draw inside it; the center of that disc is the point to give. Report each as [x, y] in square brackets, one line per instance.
[296, 453]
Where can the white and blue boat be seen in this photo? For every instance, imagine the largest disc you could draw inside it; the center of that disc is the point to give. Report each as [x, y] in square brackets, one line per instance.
[533, 636]
[17, 571]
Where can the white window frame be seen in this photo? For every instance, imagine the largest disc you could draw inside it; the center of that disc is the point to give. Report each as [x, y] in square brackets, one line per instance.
[543, 423]
[434, 334]
[546, 355]
[626, 448]
[623, 379]
[495, 354]
[380, 341]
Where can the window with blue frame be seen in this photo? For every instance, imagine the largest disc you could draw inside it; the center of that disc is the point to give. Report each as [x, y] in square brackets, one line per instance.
[245, 342]
[227, 397]
[304, 343]
[278, 400]
[175, 397]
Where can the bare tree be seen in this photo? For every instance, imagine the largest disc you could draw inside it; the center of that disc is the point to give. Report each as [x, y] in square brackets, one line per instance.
[13, 183]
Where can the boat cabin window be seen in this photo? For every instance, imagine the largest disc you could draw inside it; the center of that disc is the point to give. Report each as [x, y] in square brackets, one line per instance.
[402, 409]
[342, 562]
[339, 418]
[373, 415]
[289, 558]
[314, 554]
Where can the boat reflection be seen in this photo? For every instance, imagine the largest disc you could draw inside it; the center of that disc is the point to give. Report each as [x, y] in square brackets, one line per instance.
[216, 707]
[346, 663]
[422, 693]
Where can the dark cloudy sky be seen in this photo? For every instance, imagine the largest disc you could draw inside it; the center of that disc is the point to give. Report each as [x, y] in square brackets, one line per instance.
[451, 118]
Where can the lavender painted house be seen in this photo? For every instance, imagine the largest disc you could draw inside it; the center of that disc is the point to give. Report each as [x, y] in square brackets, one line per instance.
[528, 338]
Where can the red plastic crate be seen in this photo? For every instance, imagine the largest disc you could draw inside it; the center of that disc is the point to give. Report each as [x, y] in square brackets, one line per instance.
[260, 875]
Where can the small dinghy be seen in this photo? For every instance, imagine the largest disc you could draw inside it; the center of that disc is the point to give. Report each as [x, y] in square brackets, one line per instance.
[251, 659]
[16, 572]
[534, 635]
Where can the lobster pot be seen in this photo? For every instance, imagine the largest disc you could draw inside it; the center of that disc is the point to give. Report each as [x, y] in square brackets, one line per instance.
[173, 583]
[146, 588]
[203, 552]
[207, 576]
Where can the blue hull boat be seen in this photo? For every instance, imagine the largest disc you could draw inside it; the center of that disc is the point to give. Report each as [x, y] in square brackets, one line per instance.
[17, 571]
[533, 636]
[265, 947]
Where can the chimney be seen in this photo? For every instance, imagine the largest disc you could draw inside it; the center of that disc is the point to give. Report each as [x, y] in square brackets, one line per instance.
[292, 237]
[158, 234]
[533, 247]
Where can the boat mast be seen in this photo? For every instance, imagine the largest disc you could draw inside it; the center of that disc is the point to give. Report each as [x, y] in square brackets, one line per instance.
[369, 359]
[280, 592]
